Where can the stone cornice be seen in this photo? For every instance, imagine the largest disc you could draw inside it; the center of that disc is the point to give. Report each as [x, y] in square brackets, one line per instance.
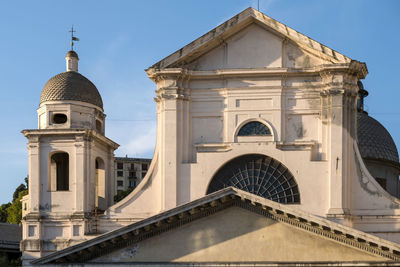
[353, 68]
[85, 134]
[211, 204]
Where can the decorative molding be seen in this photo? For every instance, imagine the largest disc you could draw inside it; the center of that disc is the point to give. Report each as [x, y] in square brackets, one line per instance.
[296, 145]
[80, 134]
[167, 93]
[217, 147]
[326, 71]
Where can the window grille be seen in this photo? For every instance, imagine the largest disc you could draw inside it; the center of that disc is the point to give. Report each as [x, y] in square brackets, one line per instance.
[254, 128]
[260, 175]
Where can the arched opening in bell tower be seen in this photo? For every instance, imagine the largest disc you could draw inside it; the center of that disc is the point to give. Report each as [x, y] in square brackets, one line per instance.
[100, 190]
[260, 175]
[59, 172]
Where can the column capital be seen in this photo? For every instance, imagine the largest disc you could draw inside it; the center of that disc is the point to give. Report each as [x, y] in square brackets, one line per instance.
[171, 93]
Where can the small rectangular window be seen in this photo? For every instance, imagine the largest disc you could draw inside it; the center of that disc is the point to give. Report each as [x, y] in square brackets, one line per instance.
[120, 173]
[144, 166]
[120, 183]
[120, 165]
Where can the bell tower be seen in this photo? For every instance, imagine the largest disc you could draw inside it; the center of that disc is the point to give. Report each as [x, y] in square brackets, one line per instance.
[71, 160]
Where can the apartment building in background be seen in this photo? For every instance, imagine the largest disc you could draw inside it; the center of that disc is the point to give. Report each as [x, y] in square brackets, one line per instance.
[129, 172]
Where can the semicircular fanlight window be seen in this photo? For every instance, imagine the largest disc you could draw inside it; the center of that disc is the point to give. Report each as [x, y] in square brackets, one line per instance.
[254, 128]
[260, 175]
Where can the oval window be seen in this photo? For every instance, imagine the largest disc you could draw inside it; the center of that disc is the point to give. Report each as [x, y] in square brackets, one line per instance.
[59, 118]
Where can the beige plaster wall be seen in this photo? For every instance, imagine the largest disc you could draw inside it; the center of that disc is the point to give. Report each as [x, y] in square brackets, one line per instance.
[79, 115]
[253, 47]
[201, 111]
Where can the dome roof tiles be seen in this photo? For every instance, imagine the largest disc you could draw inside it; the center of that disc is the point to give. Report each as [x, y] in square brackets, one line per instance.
[71, 85]
[374, 140]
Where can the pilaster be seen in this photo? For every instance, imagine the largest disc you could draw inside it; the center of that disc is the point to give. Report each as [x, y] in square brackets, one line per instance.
[81, 182]
[170, 98]
[35, 183]
[339, 113]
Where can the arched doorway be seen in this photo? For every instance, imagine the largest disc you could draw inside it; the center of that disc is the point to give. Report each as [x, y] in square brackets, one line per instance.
[260, 175]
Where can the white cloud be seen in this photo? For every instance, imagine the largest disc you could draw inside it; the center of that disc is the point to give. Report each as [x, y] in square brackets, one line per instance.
[128, 100]
[136, 138]
[143, 144]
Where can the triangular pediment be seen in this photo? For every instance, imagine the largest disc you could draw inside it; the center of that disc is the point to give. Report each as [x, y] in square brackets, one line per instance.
[251, 39]
[230, 226]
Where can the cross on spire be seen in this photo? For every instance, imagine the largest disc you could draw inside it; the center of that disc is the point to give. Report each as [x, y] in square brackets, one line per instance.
[73, 38]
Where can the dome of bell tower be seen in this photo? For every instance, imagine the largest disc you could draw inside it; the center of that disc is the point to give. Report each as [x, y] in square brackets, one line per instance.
[69, 100]
[71, 85]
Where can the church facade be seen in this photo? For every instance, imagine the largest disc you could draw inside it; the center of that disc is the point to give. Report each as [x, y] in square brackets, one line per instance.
[262, 142]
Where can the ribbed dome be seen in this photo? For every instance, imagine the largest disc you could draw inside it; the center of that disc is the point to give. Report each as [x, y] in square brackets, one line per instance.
[374, 140]
[71, 85]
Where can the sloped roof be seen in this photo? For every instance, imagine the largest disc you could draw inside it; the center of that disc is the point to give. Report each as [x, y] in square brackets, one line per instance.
[216, 36]
[132, 159]
[211, 204]
[10, 236]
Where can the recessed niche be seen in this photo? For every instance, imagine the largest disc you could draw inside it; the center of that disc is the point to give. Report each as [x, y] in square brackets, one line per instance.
[59, 118]
[98, 126]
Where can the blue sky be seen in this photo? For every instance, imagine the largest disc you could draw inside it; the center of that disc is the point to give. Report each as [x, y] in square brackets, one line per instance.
[119, 39]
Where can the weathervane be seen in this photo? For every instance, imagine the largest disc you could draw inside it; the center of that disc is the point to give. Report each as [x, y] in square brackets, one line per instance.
[73, 38]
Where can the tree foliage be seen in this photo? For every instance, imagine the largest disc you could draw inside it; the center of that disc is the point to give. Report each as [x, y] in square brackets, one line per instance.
[9, 261]
[19, 189]
[15, 210]
[122, 194]
[3, 212]
[12, 212]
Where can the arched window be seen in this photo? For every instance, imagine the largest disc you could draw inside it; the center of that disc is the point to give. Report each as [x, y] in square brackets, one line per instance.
[100, 189]
[59, 172]
[254, 128]
[260, 175]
